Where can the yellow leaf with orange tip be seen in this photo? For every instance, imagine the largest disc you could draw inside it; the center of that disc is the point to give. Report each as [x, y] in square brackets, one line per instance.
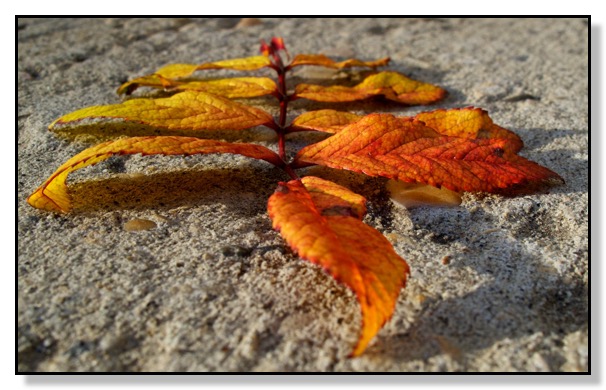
[322, 60]
[350, 251]
[469, 122]
[187, 110]
[52, 195]
[180, 71]
[410, 151]
[392, 85]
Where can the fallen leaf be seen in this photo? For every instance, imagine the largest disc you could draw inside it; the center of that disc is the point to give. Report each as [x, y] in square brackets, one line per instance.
[322, 60]
[350, 251]
[408, 150]
[52, 195]
[392, 85]
[187, 110]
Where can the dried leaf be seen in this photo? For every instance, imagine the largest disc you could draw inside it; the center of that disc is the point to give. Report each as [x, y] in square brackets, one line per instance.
[183, 111]
[52, 195]
[408, 150]
[392, 85]
[322, 60]
[164, 75]
[353, 253]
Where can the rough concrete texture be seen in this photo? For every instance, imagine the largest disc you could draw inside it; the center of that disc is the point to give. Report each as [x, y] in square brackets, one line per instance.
[211, 287]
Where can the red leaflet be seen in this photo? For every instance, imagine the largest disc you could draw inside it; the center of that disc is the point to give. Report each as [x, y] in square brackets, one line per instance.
[410, 151]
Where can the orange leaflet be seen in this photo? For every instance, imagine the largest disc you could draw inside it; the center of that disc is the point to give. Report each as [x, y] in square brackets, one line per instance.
[52, 195]
[394, 86]
[322, 60]
[164, 75]
[353, 253]
[469, 122]
[187, 110]
[408, 150]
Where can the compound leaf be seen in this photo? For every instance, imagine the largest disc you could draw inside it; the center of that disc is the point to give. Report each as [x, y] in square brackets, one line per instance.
[410, 151]
[392, 85]
[187, 110]
[52, 195]
[350, 251]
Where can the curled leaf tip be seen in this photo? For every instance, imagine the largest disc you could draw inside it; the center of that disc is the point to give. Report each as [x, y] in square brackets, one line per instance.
[53, 194]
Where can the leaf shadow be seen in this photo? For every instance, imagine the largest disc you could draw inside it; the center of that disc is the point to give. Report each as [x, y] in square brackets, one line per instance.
[523, 296]
[168, 190]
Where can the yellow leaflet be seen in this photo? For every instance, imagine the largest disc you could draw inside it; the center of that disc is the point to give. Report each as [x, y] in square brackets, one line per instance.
[329, 121]
[233, 88]
[164, 76]
[322, 60]
[247, 63]
[392, 85]
[187, 110]
[52, 195]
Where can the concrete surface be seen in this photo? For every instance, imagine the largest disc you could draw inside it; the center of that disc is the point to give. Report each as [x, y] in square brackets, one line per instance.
[212, 288]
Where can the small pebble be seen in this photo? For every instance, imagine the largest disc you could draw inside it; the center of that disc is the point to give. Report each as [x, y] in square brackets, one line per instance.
[139, 224]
